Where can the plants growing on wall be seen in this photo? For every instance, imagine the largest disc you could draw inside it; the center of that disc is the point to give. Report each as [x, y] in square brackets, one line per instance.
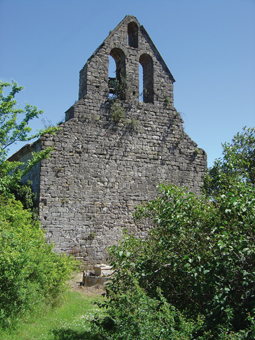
[118, 90]
[117, 112]
[133, 124]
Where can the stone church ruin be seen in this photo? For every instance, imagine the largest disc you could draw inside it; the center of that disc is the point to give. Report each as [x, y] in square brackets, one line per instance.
[113, 148]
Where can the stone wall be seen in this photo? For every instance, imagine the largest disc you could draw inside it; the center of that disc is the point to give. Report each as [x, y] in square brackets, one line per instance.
[100, 171]
[101, 167]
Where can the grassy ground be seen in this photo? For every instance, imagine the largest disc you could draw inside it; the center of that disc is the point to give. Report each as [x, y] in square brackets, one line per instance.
[70, 321]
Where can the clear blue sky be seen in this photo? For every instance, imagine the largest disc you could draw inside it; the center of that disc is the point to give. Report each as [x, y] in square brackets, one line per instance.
[208, 45]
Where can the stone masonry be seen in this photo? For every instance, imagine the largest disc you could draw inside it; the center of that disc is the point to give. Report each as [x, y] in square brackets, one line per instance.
[113, 150]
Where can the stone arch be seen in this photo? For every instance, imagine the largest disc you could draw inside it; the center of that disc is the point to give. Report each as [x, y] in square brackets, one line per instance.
[147, 64]
[133, 34]
[120, 60]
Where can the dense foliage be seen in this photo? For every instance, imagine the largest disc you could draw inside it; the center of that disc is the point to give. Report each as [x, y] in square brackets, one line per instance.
[200, 253]
[133, 315]
[237, 163]
[24, 193]
[31, 273]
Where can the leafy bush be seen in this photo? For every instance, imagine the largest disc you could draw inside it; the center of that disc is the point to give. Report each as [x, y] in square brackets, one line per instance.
[201, 250]
[30, 271]
[134, 315]
[202, 255]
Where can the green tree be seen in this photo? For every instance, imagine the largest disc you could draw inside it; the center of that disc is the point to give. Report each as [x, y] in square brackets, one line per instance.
[201, 250]
[237, 164]
[14, 127]
[11, 129]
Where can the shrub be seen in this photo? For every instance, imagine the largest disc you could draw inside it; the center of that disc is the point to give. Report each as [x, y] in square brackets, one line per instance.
[134, 315]
[201, 250]
[206, 253]
[30, 271]
[200, 254]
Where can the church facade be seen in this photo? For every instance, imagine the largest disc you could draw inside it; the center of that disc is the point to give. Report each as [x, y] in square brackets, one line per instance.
[115, 146]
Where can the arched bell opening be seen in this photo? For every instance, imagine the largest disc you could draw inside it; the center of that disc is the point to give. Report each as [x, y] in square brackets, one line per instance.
[117, 84]
[147, 81]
